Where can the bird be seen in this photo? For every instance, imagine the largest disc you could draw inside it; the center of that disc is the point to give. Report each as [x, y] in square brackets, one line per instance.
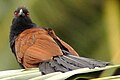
[39, 47]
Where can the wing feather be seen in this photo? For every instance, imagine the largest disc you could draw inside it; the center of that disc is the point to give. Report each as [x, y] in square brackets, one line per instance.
[34, 46]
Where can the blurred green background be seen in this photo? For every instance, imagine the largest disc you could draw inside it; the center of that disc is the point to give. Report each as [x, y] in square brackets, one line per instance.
[91, 27]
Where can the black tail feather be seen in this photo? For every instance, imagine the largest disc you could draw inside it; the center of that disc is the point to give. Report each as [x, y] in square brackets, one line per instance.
[77, 62]
[64, 63]
[69, 62]
[93, 62]
[57, 66]
[46, 68]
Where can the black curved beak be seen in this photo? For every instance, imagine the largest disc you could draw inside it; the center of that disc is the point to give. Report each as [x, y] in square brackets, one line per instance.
[21, 13]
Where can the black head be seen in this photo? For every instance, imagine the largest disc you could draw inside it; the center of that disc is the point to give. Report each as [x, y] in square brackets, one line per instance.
[21, 16]
[21, 22]
[21, 12]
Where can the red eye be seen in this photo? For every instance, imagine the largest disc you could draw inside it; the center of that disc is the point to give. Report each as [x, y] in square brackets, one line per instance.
[27, 13]
[15, 13]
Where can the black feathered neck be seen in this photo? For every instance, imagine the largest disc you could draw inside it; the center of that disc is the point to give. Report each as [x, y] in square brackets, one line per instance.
[19, 24]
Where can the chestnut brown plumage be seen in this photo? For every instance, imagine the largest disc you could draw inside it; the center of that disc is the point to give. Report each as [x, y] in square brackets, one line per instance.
[40, 47]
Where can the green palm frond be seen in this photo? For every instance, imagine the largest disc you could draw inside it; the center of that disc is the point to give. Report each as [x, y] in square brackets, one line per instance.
[109, 72]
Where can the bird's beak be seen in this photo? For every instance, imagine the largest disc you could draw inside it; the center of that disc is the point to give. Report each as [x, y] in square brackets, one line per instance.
[21, 13]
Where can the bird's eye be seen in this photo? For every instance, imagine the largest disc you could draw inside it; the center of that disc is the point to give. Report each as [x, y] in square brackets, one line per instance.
[15, 13]
[27, 13]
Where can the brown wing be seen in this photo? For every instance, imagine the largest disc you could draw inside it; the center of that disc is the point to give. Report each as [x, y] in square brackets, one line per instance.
[53, 35]
[71, 50]
[34, 46]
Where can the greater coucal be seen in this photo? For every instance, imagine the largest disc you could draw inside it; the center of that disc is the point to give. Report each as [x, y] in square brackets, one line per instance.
[35, 46]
